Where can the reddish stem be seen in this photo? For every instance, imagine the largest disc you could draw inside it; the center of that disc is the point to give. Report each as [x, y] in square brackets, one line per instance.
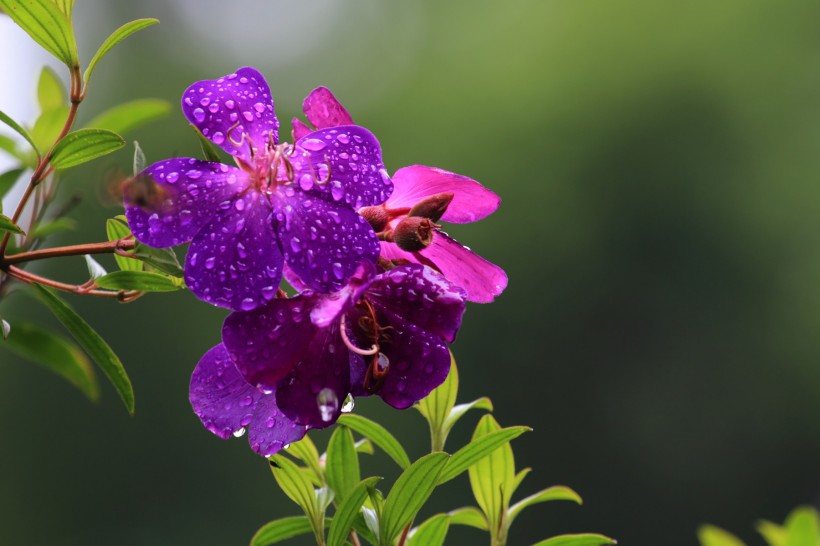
[29, 278]
[73, 250]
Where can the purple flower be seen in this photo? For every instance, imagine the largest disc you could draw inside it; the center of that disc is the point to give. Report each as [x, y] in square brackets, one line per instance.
[228, 405]
[406, 222]
[382, 333]
[291, 203]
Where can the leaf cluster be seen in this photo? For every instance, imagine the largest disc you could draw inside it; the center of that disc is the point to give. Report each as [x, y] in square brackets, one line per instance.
[801, 528]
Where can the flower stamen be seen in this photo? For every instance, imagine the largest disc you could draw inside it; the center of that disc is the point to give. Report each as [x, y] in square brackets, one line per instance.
[364, 352]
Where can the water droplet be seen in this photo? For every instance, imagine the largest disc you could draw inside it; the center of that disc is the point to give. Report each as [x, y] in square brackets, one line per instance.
[328, 404]
[259, 107]
[269, 292]
[295, 244]
[384, 362]
[313, 144]
[337, 191]
[243, 80]
[247, 304]
[385, 177]
[343, 138]
[240, 250]
[306, 182]
[193, 174]
[239, 204]
[338, 271]
[270, 422]
[349, 404]
[245, 402]
[218, 138]
[210, 262]
[213, 108]
[248, 116]
[230, 104]
[199, 114]
[204, 101]
[172, 177]
[239, 433]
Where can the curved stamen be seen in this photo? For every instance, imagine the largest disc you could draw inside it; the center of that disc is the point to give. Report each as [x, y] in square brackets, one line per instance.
[374, 349]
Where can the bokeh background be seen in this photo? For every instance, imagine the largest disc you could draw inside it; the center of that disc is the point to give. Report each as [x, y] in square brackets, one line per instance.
[659, 167]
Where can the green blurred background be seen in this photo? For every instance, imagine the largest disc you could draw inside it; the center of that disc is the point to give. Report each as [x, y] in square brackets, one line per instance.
[660, 227]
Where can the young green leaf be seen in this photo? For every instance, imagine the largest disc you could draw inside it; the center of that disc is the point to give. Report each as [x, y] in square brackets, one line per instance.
[578, 540]
[9, 145]
[554, 493]
[50, 91]
[161, 259]
[116, 37]
[208, 150]
[54, 226]
[432, 532]
[18, 129]
[295, 485]
[459, 410]
[492, 477]
[803, 527]
[349, 508]
[48, 125]
[126, 117]
[709, 535]
[305, 450]
[364, 446]
[411, 490]
[55, 353]
[438, 404]
[143, 281]
[469, 516]
[116, 230]
[66, 6]
[84, 145]
[92, 343]
[7, 180]
[518, 479]
[46, 24]
[7, 225]
[478, 449]
[774, 534]
[139, 159]
[342, 463]
[379, 435]
[281, 529]
[95, 270]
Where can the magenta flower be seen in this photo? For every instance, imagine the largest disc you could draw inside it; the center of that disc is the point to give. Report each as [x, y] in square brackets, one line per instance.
[407, 221]
[382, 333]
[291, 203]
[227, 405]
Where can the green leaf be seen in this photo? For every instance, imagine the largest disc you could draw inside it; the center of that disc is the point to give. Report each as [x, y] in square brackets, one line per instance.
[305, 450]
[432, 532]
[348, 510]
[438, 404]
[66, 6]
[458, 411]
[295, 485]
[518, 479]
[803, 527]
[18, 129]
[774, 534]
[84, 145]
[469, 516]
[208, 150]
[92, 343]
[161, 259]
[116, 230]
[478, 449]
[709, 535]
[139, 159]
[7, 225]
[48, 126]
[116, 37]
[138, 280]
[55, 353]
[493, 477]
[126, 117]
[342, 463]
[379, 435]
[577, 540]
[281, 529]
[411, 490]
[7, 180]
[54, 226]
[50, 91]
[9, 145]
[46, 24]
[554, 493]
[364, 446]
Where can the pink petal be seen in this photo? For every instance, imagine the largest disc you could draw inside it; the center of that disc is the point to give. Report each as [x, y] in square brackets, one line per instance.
[471, 201]
[323, 110]
[482, 280]
[300, 129]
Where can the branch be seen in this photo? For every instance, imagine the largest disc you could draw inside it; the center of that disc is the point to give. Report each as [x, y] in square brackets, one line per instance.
[73, 250]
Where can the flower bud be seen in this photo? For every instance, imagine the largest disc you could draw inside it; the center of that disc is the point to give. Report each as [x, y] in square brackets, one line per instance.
[432, 207]
[376, 216]
[414, 233]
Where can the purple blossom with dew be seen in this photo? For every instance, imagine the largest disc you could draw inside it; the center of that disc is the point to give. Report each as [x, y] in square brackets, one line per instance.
[384, 334]
[281, 203]
[407, 222]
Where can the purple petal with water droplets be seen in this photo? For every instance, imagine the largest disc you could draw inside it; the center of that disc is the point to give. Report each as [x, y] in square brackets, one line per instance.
[324, 243]
[420, 295]
[226, 108]
[471, 201]
[266, 343]
[300, 129]
[358, 368]
[234, 261]
[419, 361]
[314, 391]
[188, 195]
[270, 430]
[344, 165]
[323, 109]
[220, 396]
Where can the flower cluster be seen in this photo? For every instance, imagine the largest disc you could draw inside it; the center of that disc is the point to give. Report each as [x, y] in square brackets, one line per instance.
[381, 289]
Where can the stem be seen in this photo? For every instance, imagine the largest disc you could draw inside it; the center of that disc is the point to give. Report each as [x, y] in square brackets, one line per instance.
[354, 538]
[29, 278]
[404, 533]
[73, 250]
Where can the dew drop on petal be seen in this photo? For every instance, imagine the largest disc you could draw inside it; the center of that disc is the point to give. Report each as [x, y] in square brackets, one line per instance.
[239, 433]
[306, 182]
[218, 138]
[338, 271]
[313, 144]
[172, 177]
[213, 108]
[229, 104]
[328, 404]
[199, 114]
[337, 191]
[248, 116]
[247, 304]
[295, 244]
[210, 262]
[343, 138]
[259, 107]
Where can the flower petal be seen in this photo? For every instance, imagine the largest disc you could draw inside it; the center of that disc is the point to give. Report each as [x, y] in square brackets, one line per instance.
[300, 129]
[266, 343]
[323, 110]
[227, 108]
[220, 396]
[471, 201]
[418, 361]
[270, 430]
[421, 296]
[234, 261]
[344, 164]
[323, 242]
[187, 194]
[313, 393]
